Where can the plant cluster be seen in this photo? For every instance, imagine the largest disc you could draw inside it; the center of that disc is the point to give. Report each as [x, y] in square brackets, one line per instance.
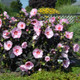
[28, 43]
[48, 11]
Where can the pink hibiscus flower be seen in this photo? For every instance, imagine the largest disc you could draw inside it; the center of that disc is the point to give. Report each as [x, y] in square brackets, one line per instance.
[59, 27]
[49, 33]
[47, 58]
[35, 37]
[53, 51]
[24, 10]
[76, 47]
[52, 20]
[17, 50]
[6, 34]
[33, 12]
[13, 19]
[60, 45]
[6, 15]
[24, 45]
[21, 25]
[23, 68]
[37, 30]
[34, 21]
[64, 21]
[0, 23]
[37, 53]
[66, 63]
[65, 55]
[29, 65]
[16, 33]
[66, 48]
[69, 35]
[8, 45]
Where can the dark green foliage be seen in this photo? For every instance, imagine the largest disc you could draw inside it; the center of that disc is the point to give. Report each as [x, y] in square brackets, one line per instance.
[28, 8]
[8, 9]
[42, 3]
[16, 5]
[4, 8]
[72, 1]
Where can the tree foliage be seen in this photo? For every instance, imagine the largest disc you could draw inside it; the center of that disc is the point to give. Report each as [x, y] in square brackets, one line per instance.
[16, 5]
[42, 3]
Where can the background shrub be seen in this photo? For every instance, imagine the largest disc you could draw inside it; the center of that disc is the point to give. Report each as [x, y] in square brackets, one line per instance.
[40, 3]
[28, 8]
[9, 10]
[16, 5]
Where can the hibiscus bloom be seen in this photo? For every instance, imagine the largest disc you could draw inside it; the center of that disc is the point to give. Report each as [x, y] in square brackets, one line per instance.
[37, 53]
[69, 35]
[66, 63]
[8, 45]
[24, 45]
[52, 20]
[13, 19]
[60, 45]
[37, 30]
[21, 25]
[33, 12]
[53, 51]
[0, 23]
[24, 10]
[29, 65]
[59, 27]
[76, 48]
[66, 48]
[49, 33]
[34, 21]
[17, 50]
[65, 55]
[16, 33]
[64, 21]
[23, 68]
[41, 23]
[6, 34]
[6, 15]
[35, 37]
[47, 58]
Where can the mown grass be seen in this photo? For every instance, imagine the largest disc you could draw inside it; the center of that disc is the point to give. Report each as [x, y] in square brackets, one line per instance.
[45, 75]
[68, 9]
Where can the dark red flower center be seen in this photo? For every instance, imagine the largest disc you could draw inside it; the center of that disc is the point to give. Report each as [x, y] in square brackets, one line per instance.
[17, 50]
[38, 52]
[16, 32]
[21, 25]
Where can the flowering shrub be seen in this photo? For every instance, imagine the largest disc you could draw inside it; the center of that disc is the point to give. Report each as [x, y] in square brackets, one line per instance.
[28, 43]
[48, 11]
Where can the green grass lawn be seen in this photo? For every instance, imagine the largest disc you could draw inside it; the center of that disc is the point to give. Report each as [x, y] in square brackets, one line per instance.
[45, 75]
